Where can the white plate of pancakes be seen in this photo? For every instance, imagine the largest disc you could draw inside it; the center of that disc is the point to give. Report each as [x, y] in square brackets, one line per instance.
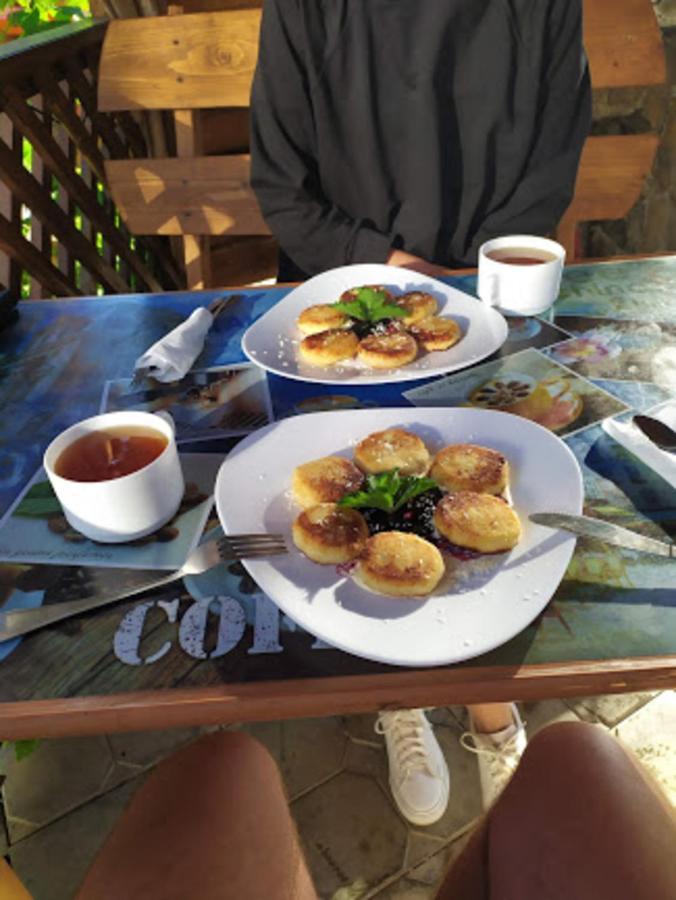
[273, 341]
[478, 605]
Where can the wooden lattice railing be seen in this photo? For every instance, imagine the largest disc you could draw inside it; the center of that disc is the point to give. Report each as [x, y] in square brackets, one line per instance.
[60, 234]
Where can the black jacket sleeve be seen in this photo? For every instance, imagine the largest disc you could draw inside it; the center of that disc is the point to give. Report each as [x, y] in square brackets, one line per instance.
[546, 187]
[315, 233]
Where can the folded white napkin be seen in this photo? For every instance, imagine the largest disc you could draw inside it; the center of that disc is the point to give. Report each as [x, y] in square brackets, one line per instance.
[627, 434]
[172, 356]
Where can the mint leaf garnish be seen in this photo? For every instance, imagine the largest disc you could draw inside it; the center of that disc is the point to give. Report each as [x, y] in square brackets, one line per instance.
[370, 305]
[388, 491]
[413, 488]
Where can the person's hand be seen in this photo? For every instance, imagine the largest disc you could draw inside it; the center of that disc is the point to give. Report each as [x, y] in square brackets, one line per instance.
[416, 263]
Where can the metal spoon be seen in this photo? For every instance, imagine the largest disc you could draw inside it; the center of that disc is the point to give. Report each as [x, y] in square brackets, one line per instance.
[660, 434]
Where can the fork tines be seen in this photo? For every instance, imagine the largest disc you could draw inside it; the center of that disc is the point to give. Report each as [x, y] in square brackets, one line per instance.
[251, 546]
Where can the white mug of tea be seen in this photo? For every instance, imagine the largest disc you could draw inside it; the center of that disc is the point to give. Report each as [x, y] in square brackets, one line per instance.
[520, 274]
[117, 476]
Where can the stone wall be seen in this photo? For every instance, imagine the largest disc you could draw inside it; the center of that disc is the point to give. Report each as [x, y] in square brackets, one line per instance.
[651, 225]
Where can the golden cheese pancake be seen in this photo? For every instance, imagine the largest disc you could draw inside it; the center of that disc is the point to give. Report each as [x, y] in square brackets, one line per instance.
[436, 333]
[322, 317]
[387, 351]
[468, 467]
[479, 522]
[351, 293]
[418, 306]
[330, 534]
[400, 564]
[325, 480]
[393, 448]
[328, 347]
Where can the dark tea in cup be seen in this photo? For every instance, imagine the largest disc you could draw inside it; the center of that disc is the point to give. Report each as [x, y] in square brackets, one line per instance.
[521, 256]
[520, 274]
[110, 453]
[86, 465]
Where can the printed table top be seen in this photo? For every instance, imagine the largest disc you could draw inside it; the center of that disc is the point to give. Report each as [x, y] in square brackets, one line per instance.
[608, 348]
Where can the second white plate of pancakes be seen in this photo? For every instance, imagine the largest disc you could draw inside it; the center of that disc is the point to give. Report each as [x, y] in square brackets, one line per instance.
[273, 341]
[268, 484]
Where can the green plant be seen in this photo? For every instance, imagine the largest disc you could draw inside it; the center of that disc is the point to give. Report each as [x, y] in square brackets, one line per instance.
[19, 18]
[23, 748]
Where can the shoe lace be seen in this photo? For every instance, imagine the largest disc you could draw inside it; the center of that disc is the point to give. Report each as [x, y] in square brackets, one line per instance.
[502, 756]
[405, 737]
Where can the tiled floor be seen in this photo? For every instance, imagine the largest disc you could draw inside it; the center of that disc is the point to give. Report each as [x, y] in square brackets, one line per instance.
[62, 801]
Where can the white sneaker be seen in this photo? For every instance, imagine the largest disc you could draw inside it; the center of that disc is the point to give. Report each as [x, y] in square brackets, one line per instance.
[419, 777]
[499, 754]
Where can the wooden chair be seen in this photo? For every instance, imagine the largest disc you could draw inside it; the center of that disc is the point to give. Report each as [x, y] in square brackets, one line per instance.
[192, 64]
[201, 63]
[624, 47]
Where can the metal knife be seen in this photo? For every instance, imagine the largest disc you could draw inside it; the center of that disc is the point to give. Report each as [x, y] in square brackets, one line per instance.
[604, 531]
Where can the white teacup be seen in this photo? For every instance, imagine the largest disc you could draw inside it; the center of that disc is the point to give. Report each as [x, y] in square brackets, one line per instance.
[520, 288]
[125, 508]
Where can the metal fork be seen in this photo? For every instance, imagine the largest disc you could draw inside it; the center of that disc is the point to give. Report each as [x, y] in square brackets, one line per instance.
[108, 586]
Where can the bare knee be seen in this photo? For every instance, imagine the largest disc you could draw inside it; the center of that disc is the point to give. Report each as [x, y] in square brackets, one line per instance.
[228, 742]
[570, 739]
[569, 760]
[223, 751]
[573, 744]
[579, 819]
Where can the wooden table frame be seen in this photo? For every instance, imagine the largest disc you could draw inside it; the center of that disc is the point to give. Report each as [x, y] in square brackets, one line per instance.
[317, 697]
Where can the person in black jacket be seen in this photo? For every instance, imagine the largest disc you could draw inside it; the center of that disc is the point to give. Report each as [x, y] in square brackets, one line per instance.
[409, 132]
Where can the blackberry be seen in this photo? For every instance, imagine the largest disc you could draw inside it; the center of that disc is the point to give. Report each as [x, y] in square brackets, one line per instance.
[361, 329]
[416, 516]
[383, 326]
[377, 520]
